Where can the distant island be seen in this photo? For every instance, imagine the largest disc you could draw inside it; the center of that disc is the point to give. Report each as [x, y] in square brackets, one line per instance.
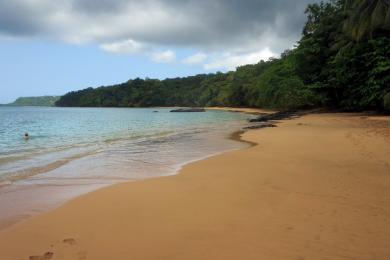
[44, 101]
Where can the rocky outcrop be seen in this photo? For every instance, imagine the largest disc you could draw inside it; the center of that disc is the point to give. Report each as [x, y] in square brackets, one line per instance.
[275, 116]
[259, 126]
[193, 109]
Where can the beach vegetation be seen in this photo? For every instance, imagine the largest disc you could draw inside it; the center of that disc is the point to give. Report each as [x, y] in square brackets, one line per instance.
[386, 102]
[35, 101]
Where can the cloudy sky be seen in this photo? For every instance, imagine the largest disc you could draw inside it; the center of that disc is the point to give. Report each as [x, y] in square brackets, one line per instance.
[54, 46]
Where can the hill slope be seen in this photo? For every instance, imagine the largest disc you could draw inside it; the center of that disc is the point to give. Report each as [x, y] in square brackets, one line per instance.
[35, 101]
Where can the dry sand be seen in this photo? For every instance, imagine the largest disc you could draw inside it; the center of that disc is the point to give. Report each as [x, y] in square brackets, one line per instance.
[317, 187]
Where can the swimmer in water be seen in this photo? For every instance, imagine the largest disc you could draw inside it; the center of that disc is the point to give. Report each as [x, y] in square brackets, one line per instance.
[26, 136]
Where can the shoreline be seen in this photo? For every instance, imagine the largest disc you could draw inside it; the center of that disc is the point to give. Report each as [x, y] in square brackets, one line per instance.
[235, 136]
[37, 190]
[211, 204]
[250, 111]
[89, 188]
[9, 222]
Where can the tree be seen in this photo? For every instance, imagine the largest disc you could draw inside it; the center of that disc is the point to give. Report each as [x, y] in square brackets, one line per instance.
[366, 17]
[341, 61]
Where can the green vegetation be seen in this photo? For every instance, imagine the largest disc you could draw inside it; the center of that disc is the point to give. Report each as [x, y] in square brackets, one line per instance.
[386, 101]
[46, 101]
[342, 61]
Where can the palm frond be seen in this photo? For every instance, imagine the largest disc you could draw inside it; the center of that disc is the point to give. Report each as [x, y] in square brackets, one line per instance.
[365, 17]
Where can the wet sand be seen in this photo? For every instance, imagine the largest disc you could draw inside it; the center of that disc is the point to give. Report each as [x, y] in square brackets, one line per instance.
[316, 187]
[38, 190]
[253, 111]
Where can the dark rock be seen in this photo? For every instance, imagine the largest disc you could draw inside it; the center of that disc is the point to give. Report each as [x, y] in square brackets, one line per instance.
[189, 110]
[275, 116]
[259, 126]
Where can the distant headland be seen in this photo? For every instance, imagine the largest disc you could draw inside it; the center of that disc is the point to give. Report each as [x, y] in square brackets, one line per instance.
[45, 101]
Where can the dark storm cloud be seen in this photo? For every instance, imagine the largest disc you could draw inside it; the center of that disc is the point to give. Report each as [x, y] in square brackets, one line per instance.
[100, 6]
[179, 22]
[239, 30]
[17, 19]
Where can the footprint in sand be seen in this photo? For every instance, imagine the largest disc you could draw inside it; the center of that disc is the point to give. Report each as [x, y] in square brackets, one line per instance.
[69, 241]
[82, 255]
[45, 256]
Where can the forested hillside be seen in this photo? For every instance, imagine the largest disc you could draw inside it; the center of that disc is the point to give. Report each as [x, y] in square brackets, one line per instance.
[341, 61]
[35, 101]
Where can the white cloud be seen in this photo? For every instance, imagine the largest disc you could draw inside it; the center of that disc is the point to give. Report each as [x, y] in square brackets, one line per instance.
[226, 34]
[195, 59]
[123, 47]
[163, 57]
[231, 61]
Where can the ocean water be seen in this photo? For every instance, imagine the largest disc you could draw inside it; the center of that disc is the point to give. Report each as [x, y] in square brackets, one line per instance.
[75, 150]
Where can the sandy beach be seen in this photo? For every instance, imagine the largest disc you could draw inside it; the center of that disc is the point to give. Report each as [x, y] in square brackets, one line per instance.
[316, 187]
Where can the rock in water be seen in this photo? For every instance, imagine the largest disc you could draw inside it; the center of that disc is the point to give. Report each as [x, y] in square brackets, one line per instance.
[189, 110]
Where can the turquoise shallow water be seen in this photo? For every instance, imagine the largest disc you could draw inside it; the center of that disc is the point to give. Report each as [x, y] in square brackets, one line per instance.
[75, 150]
[61, 135]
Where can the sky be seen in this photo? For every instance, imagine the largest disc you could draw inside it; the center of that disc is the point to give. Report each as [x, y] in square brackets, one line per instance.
[51, 47]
